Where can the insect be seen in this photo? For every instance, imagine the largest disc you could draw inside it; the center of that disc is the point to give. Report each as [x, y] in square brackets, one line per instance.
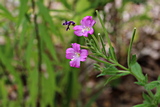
[68, 23]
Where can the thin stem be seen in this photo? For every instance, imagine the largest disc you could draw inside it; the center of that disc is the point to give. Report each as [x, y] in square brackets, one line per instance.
[103, 45]
[150, 93]
[104, 29]
[122, 71]
[84, 47]
[98, 60]
[96, 41]
[39, 51]
[119, 65]
[115, 62]
[107, 36]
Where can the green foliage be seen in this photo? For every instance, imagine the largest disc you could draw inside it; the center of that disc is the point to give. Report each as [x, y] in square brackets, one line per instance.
[129, 50]
[22, 11]
[32, 59]
[116, 76]
[152, 85]
[55, 84]
[112, 53]
[5, 13]
[137, 72]
[110, 70]
[144, 105]
[133, 60]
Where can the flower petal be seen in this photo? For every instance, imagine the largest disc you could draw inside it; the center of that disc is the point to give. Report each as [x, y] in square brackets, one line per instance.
[78, 30]
[70, 53]
[78, 33]
[83, 54]
[75, 62]
[76, 47]
[93, 22]
[85, 34]
[91, 31]
[88, 21]
[78, 27]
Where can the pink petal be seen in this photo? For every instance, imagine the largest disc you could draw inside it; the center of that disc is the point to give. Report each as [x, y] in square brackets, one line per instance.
[78, 27]
[83, 54]
[78, 32]
[91, 31]
[85, 34]
[76, 47]
[93, 22]
[70, 53]
[86, 21]
[75, 62]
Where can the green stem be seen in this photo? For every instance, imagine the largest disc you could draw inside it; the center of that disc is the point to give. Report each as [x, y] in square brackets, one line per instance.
[119, 65]
[84, 47]
[96, 41]
[98, 60]
[122, 71]
[150, 93]
[104, 29]
[106, 34]
[115, 63]
[130, 46]
[103, 45]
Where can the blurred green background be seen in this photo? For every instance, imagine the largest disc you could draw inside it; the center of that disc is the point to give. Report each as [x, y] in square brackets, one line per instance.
[34, 71]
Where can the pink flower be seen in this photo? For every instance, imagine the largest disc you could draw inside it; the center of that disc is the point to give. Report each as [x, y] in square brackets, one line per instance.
[76, 55]
[85, 28]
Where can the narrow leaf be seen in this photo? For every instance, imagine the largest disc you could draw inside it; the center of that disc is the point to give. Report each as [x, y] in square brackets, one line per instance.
[152, 85]
[115, 77]
[130, 47]
[111, 70]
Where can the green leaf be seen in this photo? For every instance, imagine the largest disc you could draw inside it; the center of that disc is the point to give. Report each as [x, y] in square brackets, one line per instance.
[111, 70]
[143, 105]
[4, 94]
[22, 11]
[157, 95]
[5, 13]
[152, 85]
[44, 12]
[116, 76]
[146, 97]
[112, 53]
[48, 83]
[106, 33]
[32, 82]
[133, 60]
[65, 3]
[29, 51]
[137, 72]
[130, 47]
[48, 41]
[140, 83]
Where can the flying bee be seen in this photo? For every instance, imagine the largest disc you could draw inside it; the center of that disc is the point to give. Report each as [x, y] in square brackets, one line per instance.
[68, 23]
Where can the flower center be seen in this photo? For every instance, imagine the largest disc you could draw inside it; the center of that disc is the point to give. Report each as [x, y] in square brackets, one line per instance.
[76, 56]
[85, 29]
